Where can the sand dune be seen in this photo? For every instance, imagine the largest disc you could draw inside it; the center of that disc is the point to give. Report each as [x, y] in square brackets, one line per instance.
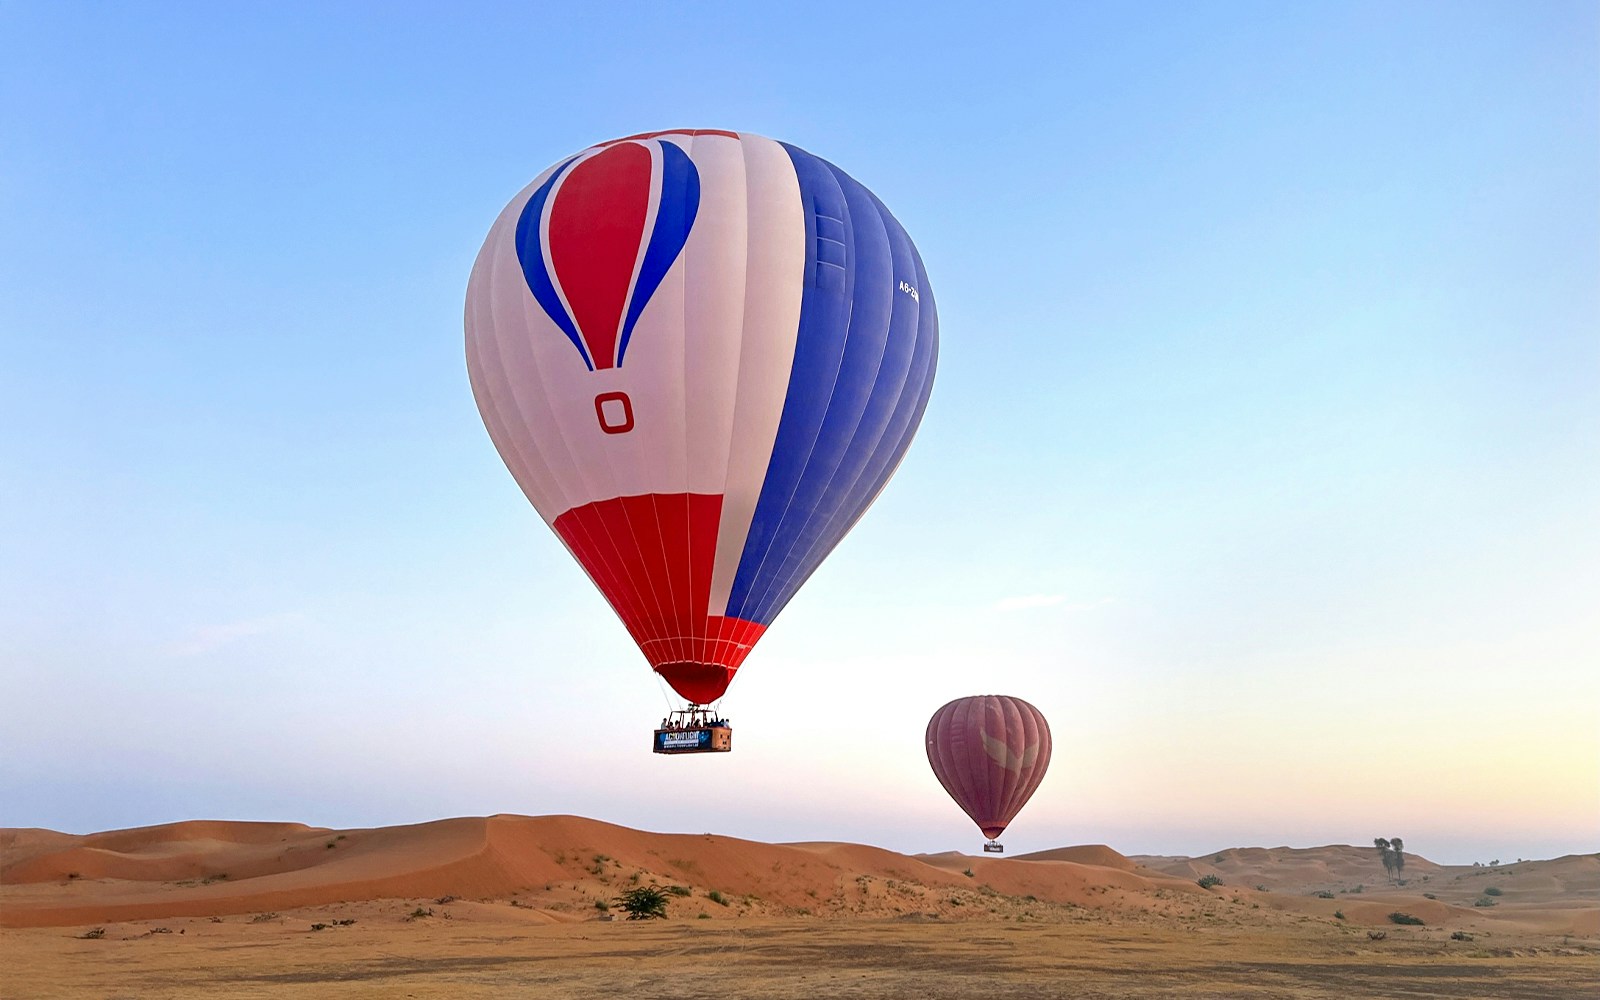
[482, 907]
[558, 868]
[555, 864]
[1561, 895]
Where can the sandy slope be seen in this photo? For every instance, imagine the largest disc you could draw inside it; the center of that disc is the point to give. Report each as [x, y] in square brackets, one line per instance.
[1561, 895]
[556, 864]
[557, 868]
[507, 905]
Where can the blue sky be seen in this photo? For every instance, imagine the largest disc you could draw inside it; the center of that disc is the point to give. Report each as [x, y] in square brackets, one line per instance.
[1263, 456]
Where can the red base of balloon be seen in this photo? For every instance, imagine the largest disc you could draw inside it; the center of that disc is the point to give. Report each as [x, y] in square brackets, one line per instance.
[700, 683]
[651, 556]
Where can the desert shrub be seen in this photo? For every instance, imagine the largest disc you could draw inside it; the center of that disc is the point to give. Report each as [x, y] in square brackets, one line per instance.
[1207, 881]
[1404, 918]
[331, 845]
[716, 897]
[445, 899]
[1323, 894]
[968, 873]
[262, 918]
[1483, 901]
[1377, 935]
[319, 927]
[678, 890]
[93, 934]
[345, 922]
[1429, 895]
[1460, 936]
[420, 913]
[602, 906]
[703, 916]
[1338, 914]
[1492, 890]
[645, 902]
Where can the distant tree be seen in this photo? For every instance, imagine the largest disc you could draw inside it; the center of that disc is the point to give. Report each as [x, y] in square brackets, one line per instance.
[1392, 852]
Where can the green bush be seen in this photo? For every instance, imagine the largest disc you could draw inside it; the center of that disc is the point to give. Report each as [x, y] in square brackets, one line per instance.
[716, 897]
[1493, 890]
[1404, 918]
[646, 902]
[678, 890]
[1338, 914]
[1207, 881]
[1483, 901]
[1323, 894]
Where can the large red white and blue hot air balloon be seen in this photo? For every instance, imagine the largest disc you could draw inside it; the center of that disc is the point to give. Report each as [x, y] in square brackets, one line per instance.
[702, 354]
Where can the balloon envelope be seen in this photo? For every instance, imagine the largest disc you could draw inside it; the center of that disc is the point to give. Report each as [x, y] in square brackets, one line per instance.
[989, 752]
[701, 354]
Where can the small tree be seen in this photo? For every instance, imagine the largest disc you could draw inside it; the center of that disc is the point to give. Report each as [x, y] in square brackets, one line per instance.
[1392, 853]
[645, 902]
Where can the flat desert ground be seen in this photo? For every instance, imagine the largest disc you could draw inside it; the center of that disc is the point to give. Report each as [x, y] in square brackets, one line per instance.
[517, 905]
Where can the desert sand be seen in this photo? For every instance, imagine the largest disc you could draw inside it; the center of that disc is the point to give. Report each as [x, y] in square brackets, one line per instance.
[480, 906]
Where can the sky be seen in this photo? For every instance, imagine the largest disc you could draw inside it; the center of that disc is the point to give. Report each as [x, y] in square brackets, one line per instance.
[1263, 456]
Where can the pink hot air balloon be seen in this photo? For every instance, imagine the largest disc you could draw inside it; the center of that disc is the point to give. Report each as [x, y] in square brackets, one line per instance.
[989, 752]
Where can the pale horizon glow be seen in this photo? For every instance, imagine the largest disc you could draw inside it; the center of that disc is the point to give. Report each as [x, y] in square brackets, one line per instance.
[1263, 455]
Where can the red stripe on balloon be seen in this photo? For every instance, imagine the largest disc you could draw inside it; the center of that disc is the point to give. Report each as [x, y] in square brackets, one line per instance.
[652, 556]
[596, 227]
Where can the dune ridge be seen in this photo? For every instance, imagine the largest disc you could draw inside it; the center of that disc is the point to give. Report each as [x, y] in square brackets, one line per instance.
[565, 868]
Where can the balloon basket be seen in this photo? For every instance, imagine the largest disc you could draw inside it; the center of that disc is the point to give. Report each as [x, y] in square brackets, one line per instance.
[993, 848]
[693, 730]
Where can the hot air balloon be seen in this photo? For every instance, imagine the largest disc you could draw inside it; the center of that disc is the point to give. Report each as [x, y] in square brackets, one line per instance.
[701, 355]
[989, 752]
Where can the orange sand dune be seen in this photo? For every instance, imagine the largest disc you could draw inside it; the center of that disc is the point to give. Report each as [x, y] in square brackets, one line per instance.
[1088, 854]
[1289, 869]
[565, 868]
[1559, 896]
[559, 863]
